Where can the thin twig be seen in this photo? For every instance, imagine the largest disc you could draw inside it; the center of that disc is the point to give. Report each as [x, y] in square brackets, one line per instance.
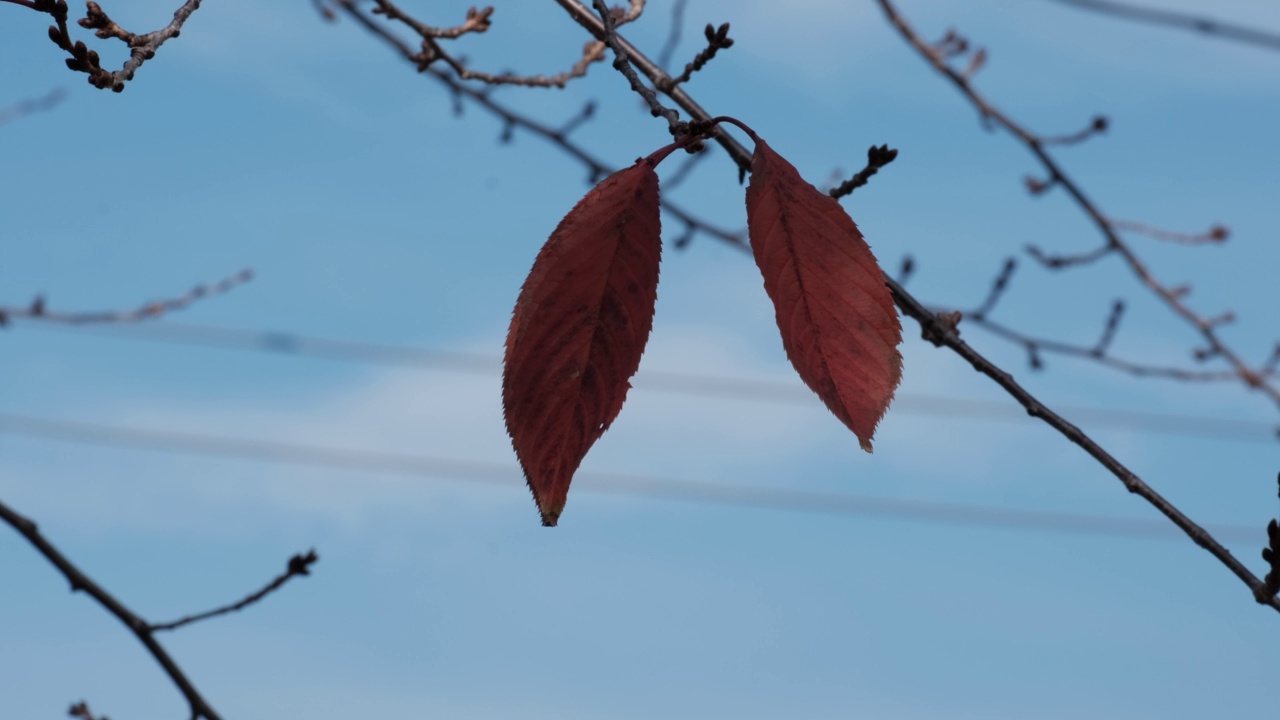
[877, 157]
[717, 39]
[1099, 124]
[142, 47]
[1215, 234]
[478, 21]
[621, 63]
[1035, 346]
[38, 311]
[141, 630]
[298, 565]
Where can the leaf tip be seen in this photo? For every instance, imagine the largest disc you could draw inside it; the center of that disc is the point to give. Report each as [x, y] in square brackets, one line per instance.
[550, 517]
[865, 444]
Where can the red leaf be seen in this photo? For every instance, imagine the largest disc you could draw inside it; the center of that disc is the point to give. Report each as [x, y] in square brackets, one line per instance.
[838, 323]
[579, 328]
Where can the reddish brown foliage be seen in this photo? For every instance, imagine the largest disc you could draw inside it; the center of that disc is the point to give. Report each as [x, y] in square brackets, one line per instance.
[579, 328]
[586, 309]
[838, 323]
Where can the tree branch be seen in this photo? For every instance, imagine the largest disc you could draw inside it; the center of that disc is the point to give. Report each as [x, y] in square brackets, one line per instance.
[141, 630]
[298, 565]
[37, 310]
[1172, 297]
[141, 47]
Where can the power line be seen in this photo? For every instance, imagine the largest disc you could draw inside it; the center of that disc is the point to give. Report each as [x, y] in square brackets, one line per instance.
[615, 483]
[1184, 21]
[293, 344]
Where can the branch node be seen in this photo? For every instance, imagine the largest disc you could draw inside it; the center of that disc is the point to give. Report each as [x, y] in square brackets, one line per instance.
[945, 330]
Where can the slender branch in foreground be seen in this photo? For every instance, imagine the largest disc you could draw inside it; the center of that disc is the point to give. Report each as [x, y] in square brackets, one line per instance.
[298, 565]
[1182, 21]
[38, 311]
[1113, 244]
[141, 630]
[142, 47]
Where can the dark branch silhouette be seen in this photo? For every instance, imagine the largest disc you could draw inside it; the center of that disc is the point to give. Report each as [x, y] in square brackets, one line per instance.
[297, 566]
[141, 629]
[80, 582]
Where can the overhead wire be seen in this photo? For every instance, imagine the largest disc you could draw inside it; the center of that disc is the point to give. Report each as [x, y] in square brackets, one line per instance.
[656, 488]
[769, 391]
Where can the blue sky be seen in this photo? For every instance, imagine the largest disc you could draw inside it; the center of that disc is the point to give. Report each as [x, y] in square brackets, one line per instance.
[266, 138]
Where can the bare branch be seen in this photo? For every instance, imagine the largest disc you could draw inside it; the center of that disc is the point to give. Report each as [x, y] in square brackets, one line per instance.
[1113, 243]
[141, 47]
[943, 333]
[477, 21]
[717, 39]
[141, 630]
[298, 565]
[621, 63]
[1057, 262]
[1215, 234]
[37, 310]
[1099, 124]
[877, 157]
